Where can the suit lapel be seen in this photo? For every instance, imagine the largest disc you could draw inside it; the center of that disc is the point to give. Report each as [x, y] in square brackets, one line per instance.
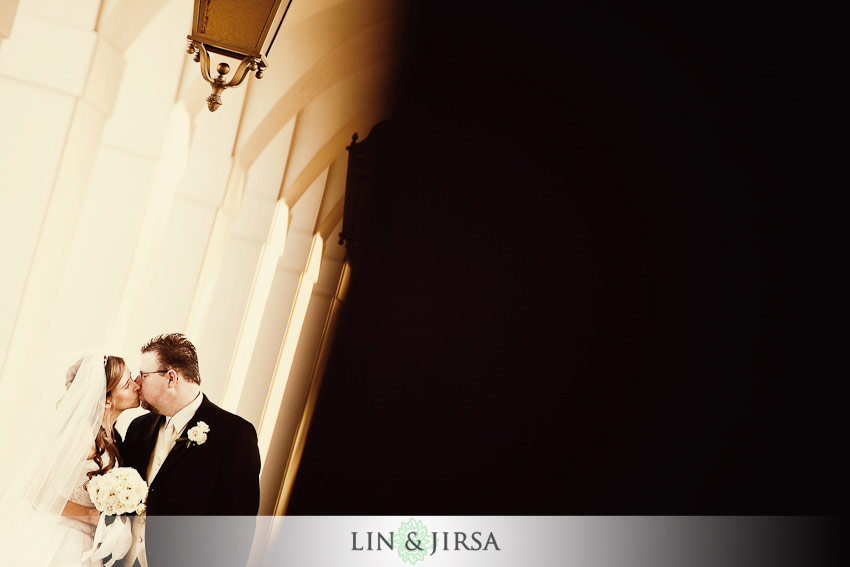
[148, 434]
[180, 449]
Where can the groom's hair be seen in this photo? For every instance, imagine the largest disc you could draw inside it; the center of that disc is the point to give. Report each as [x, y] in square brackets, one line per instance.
[175, 351]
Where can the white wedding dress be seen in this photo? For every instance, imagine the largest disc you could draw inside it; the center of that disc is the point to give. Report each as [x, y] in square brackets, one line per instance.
[75, 537]
[42, 474]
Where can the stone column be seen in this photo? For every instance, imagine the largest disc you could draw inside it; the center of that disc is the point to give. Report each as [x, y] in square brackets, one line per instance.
[247, 236]
[7, 18]
[296, 406]
[78, 100]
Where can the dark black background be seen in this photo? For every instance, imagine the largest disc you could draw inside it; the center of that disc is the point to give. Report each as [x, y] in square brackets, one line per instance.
[601, 273]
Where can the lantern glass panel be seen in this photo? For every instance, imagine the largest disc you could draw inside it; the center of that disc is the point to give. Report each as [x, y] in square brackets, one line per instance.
[239, 25]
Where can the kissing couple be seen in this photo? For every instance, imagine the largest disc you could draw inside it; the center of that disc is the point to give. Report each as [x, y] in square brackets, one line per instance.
[199, 462]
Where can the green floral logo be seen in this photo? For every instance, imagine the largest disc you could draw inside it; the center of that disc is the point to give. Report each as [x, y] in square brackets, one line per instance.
[412, 541]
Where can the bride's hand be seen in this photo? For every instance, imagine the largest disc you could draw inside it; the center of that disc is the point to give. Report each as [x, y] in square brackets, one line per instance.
[81, 513]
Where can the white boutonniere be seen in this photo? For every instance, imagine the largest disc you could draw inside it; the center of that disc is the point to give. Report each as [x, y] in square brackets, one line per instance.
[196, 435]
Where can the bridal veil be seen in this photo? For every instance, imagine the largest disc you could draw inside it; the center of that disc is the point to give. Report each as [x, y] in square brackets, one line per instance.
[48, 466]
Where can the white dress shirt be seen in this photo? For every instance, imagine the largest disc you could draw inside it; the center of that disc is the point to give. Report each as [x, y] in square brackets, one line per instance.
[169, 432]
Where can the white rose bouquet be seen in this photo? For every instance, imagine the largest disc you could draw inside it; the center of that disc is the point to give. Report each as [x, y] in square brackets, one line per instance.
[120, 490]
[117, 494]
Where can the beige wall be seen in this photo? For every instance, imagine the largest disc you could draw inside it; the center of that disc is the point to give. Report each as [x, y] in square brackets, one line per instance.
[127, 209]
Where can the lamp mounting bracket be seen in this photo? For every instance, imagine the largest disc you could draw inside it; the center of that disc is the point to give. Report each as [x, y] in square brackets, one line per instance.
[200, 54]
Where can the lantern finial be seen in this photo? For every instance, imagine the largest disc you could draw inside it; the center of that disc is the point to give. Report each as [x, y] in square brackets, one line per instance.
[220, 83]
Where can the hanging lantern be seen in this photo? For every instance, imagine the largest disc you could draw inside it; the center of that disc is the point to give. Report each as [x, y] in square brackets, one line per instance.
[241, 29]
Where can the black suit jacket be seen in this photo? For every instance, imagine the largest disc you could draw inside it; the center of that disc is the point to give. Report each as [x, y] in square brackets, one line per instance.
[218, 478]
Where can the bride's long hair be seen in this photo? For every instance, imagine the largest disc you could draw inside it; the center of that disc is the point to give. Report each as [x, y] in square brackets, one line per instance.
[104, 443]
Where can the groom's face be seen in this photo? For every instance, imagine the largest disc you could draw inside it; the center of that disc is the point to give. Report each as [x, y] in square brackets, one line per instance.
[153, 382]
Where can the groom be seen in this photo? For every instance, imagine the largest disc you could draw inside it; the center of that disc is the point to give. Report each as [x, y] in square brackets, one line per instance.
[198, 460]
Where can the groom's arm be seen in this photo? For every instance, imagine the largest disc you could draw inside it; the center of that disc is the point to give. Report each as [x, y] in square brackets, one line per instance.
[238, 494]
[241, 496]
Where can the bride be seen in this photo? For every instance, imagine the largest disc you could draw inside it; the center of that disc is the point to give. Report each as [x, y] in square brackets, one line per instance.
[46, 516]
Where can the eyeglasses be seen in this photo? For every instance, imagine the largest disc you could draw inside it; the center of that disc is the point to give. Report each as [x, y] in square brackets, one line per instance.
[143, 375]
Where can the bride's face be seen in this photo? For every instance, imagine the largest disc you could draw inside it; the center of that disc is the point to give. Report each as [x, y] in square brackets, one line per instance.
[126, 394]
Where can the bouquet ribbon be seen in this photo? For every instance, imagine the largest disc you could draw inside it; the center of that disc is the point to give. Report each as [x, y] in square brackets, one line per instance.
[113, 539]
